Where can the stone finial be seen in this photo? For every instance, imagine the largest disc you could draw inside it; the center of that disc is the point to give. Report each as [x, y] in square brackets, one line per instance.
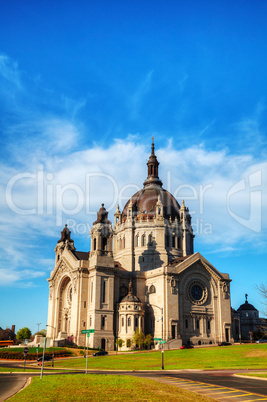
[65, 235]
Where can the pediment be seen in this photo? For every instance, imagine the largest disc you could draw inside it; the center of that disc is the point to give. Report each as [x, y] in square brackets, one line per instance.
[198, 258]
[63, 266]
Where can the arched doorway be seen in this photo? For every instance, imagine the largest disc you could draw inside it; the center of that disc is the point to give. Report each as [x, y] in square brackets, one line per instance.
[64, 307]
[103, 344]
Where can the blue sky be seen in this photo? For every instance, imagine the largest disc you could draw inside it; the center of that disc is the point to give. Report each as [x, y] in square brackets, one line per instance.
[84, 87]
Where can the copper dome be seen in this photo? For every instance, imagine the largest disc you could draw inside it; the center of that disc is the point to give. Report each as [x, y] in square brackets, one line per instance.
[144, 203]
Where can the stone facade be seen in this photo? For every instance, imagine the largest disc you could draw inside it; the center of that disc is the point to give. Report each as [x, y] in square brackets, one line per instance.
[142, 273]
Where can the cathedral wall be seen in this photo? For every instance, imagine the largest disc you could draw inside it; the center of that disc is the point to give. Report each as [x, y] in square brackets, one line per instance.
[197, 308]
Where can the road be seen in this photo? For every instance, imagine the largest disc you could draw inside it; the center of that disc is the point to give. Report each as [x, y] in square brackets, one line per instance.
[10, 384]
[220, 385]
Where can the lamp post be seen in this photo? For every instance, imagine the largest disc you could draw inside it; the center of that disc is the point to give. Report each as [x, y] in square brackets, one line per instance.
[38, 324]
[53, 343]
[162, 350]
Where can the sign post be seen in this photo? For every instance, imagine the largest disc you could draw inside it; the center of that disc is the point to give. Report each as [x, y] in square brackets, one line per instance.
[26, 350]
[88, 332]
[42, 369]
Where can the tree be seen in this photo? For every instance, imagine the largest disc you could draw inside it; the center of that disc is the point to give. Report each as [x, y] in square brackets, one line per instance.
[148, 340]
[262, 329]
[119, 342]
[42, 332]
[262, 290]
[139, 338]
[24, 333]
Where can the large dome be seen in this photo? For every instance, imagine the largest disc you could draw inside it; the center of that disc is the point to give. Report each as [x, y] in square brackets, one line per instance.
[144, 202]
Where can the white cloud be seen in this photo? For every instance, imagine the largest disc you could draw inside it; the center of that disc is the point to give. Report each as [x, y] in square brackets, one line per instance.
[9, 70]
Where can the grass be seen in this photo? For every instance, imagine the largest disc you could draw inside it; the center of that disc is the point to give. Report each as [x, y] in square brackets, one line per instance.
[31, 350]
[89, 387]
[262, 375]
[234, 357]
[27, 370]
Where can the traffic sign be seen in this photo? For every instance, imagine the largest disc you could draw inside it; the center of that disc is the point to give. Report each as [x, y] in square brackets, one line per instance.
[26, 350]
[157, 339]
[88, 331]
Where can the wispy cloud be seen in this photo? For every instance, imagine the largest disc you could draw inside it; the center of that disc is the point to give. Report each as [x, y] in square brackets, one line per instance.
[9, 71]
[45, 170]
[137, 98]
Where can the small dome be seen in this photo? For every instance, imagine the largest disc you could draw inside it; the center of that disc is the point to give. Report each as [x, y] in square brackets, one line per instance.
[131, 298]
[246, 306]
[144, 202]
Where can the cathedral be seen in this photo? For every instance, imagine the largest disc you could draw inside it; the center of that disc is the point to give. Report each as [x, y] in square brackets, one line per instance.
[141, 273]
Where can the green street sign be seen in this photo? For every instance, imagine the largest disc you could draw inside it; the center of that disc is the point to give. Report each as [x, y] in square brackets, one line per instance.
[88, 331]
[163, 341]
[88, 335]
[157, 339]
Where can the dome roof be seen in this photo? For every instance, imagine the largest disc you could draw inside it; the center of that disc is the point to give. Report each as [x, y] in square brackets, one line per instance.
[131, 298]
[246, 306]
[144, 202]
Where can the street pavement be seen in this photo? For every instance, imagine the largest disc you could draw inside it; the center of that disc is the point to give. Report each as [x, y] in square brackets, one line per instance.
[10, 384]
[220, 385]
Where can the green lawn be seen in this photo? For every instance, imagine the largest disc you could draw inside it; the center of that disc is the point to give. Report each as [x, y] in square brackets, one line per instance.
[91, 387]
[262, 375]
[27, 370]
[238, 356]
[31, 350]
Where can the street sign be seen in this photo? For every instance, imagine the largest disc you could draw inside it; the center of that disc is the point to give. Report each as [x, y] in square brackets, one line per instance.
[157, 339]
[88, 331]
[26, 350]
[88, 335]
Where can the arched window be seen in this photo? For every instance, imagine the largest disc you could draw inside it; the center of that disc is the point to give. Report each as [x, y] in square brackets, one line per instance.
[136, 322]
[123, 242]
[173, 241]
[123, 291]
[104, 243]
[152, 289]
[129, 321]
[122, 322]
[137, 241]
[167, 241]
[143, 240]
[94, 243]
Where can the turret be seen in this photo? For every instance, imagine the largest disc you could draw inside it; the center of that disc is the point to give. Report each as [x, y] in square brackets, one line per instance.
[152, 168]
[187, 231]
[64, 241]
[101, 234]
